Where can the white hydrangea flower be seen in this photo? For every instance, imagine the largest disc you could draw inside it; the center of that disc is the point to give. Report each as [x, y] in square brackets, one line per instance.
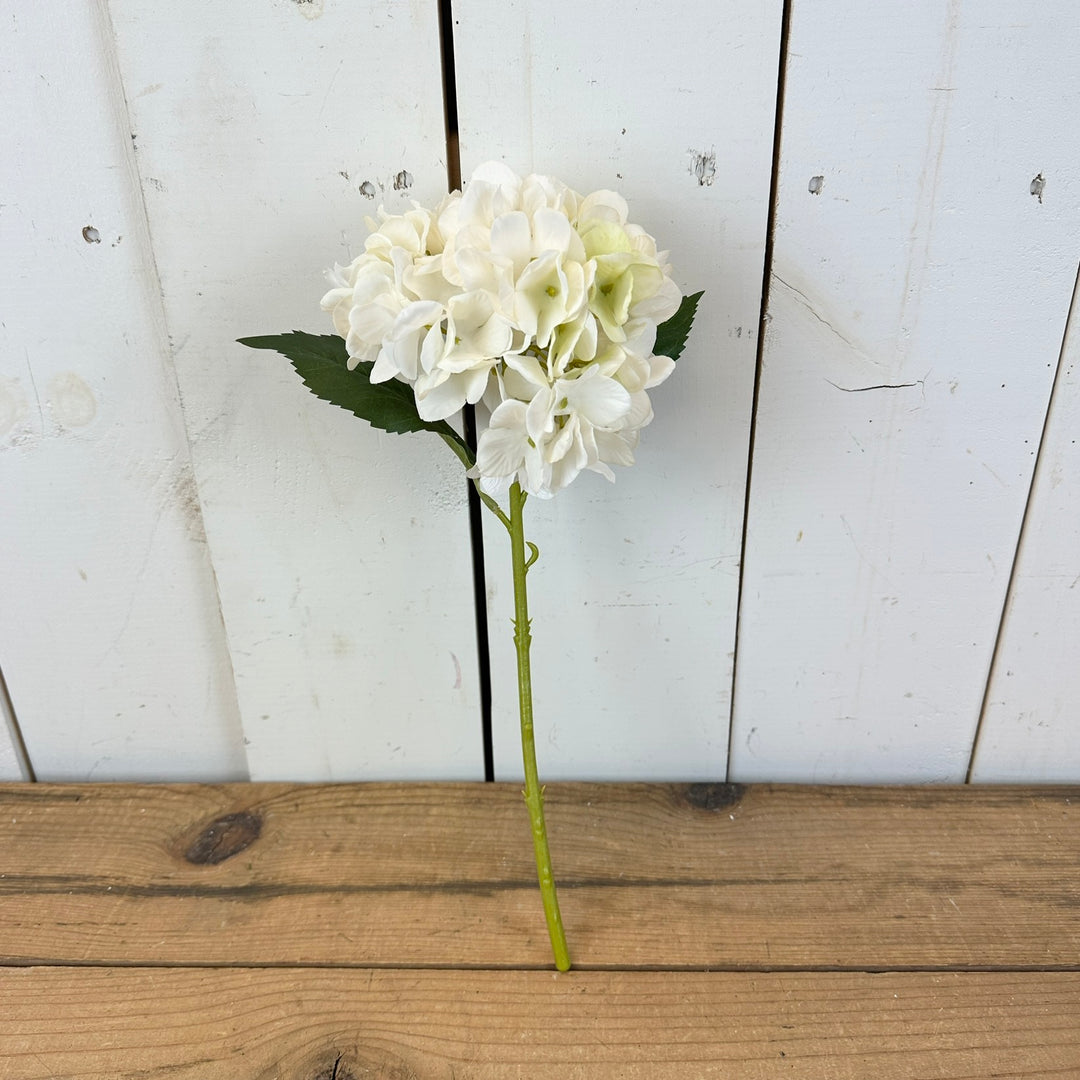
[520, 295]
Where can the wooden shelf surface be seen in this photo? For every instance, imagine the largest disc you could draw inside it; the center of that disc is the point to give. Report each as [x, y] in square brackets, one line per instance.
[279, 930]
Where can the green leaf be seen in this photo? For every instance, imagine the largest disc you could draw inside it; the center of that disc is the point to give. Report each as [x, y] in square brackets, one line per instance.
[671, 335]
[321, 360]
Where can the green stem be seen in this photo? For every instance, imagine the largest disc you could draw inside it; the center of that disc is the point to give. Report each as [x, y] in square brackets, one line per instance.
[534, 793]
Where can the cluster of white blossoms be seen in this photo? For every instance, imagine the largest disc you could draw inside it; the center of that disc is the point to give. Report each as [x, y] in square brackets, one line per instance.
[524, 298]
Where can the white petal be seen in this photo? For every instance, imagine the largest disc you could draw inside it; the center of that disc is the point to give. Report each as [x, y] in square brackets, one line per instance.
[661, 305]
[442, 400]
[551, 232]
[539, 416]
[529, 368]
[613, 448]
[660, 367]
[602, 401]
[510, 237]
[501, 448]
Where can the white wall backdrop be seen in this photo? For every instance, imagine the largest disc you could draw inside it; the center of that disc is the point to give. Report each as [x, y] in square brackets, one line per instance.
[918, 300]
[208, 574]
[635, 595]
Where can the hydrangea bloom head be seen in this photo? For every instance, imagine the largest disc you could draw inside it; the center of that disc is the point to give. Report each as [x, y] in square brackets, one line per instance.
[522, 297]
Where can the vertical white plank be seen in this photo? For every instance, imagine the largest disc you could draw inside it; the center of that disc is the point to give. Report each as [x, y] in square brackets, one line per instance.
[12, 763]
[634, 597]
[916, 310]
[110, 635]
[265, 132]
[1030, 731]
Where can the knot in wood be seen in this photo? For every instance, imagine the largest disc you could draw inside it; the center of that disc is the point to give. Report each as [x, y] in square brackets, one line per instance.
[714, 796]
[224, 837]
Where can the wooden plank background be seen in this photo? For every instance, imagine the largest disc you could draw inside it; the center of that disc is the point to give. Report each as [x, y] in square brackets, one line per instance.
[342, 553]
[918, 299]
[706, 875]
[205, 573]
[111, 641]
[243, 932]
[634, 598]
[1030, 725]
[224, 1025]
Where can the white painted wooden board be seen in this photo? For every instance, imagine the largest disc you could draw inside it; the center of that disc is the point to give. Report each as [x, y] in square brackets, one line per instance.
[110, 636]
[11, 763]
[634, 597]
[883, 522]
[1031, 726]
[342, 554]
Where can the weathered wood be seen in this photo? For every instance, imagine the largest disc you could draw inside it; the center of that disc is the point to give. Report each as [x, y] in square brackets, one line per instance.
[701, 876]
[634, 597]
[1031, 726]
[264, 133]
[236, 1024]
[111, 639]
[921, 282]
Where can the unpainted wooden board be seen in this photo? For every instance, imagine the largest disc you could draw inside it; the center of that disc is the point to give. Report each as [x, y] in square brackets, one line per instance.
[260, 1024]
[111, 640]
[921, 281]
[1031, 727]
[633, 599]
[705, 876]
[265, 132]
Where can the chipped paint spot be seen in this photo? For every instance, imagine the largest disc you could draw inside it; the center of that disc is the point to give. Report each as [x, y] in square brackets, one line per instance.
[184, 495]
[1038, 184]
[71, 401]
[310, 9]
[703, 166]
[91, 235]
[403, 181]
[815, 185]
[367, 189]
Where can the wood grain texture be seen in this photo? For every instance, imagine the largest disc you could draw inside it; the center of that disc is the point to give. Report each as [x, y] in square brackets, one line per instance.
[919, 294]
[423, 1025]
[265, 131]
[633, 599]
[701, 876]
[111, 639]
[1031, 726]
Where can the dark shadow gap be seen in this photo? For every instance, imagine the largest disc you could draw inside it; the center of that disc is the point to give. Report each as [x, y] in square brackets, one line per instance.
[528, 966]
[476, 524]
[766, 281]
